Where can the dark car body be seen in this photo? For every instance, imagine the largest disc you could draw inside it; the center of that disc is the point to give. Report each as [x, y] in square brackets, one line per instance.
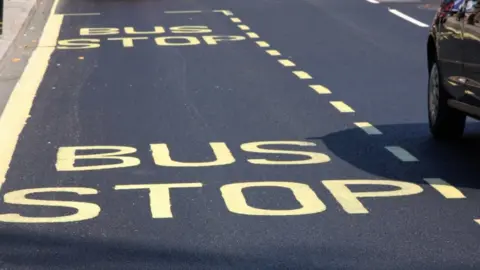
[454, 47]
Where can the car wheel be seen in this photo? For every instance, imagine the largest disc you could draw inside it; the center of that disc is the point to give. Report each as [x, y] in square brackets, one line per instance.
[445, 122]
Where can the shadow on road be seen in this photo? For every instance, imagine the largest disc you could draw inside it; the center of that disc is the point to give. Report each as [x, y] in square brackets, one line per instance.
[458, 162]
[33, 250]
[24, 249]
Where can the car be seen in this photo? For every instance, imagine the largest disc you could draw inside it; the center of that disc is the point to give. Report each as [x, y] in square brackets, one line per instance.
[453, 56]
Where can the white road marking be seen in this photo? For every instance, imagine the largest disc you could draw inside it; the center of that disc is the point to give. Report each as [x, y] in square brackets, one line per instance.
[401, 154]
[407, 18]
[373, 1]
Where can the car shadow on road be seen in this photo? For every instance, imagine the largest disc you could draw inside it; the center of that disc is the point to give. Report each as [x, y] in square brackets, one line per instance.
[457, 161]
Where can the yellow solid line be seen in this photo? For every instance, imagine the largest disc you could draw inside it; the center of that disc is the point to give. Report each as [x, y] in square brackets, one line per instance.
[448, 191]
[368, 128]
[263, 44]
[252, 35]
[243, 27]
[302, 75]
[401, 154]
[236, 20]
[17, 109]
[320, 89]
[342, 107]
[183, 11]
[273, 52]
[286, 63]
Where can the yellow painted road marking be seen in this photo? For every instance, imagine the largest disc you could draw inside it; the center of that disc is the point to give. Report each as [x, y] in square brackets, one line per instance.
[448, 191]
[183, 11]
[81, 14]
[17, 110]
[368, 128]
[302, 75]
[286, 63]
[225, 12]
[477, 221]
[236, 20]
[81, 58]
[243, 27]
[342, 107]
[273, 52]
[263, 44]
[252, 35]
[401, 153]
[320, 89]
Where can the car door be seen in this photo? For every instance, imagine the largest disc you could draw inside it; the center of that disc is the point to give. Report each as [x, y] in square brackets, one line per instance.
[471, 57]
[449, 38]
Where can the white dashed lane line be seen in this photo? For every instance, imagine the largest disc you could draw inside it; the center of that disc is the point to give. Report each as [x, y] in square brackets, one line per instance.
[401, 14]
[407, 18]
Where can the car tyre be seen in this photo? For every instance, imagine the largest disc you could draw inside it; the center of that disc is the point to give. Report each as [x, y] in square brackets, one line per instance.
[445, 122]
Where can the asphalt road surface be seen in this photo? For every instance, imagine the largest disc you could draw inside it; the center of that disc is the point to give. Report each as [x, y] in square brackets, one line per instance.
[253, 134]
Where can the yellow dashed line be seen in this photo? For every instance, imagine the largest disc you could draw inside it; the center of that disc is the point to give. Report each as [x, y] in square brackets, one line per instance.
[263, 44]
[286, 63]
[368, 128]
[448, 191]
[243, 27]
[273, 52]
[252, 35]
[225, 12]
[342, 107]
[236, 20]
[302, 75]
[401, 154]
[320, 89]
